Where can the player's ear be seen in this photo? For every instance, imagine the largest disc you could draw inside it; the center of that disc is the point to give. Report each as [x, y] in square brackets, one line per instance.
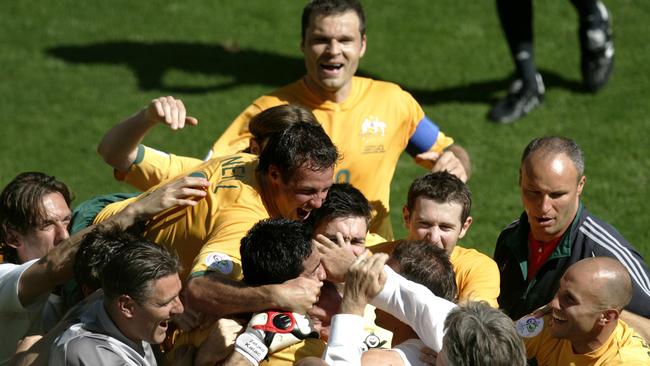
[274, 174]
[581, 184]
[607, 316]
[363, 46]
[465, 227]
[406, 216]
[126, 306]
[13, 238]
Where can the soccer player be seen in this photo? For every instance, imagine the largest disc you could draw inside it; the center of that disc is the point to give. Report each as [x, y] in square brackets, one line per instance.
[371, 122]
[437, 210]
[39, 255]
[584, 326]
[556, 230]
[140, 286]
[289, 179]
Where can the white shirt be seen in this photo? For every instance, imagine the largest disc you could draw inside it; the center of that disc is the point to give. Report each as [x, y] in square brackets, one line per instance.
[407, 301]
[17, 320]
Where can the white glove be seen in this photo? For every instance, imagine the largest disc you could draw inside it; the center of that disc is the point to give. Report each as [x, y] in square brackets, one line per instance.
[270, 331]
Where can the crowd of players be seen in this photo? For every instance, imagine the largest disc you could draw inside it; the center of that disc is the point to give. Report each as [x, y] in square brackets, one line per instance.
[256, 256]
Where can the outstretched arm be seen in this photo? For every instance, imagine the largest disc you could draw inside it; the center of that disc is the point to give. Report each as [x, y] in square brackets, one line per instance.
[218, 295]
[119, 146]
[56, 267]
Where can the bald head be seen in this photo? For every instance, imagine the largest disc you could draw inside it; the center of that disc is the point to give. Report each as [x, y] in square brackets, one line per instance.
[549, 146]
[610, 282]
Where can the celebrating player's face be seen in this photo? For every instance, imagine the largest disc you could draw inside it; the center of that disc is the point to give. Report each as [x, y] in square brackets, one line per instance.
[151, 319]
[53, 230]
[353, 230]
[437, 223]
[306, 190]
[574, 308]
[332, 47]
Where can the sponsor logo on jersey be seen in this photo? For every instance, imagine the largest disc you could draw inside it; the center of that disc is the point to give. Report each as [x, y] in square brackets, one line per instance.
[529, 326]
[219, 262]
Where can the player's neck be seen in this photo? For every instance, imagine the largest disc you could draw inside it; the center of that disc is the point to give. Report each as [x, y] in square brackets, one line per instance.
[593, 341]
[266, 195]
[336, 96]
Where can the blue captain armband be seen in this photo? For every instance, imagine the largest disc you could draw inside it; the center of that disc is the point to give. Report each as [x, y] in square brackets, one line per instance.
[424, 137]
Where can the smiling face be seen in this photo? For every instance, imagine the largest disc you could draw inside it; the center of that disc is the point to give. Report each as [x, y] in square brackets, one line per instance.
[305, 190]
[437, 223]
[575, 312]
[550, 191]
[52, 231]
[353, 230]
[332, 46]
[150, 320]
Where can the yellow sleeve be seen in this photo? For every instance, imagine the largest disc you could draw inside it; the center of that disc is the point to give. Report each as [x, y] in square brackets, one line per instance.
[536, 340]
[221, 251]
[236, 137]
[151, 167]
[442, 142]
[477, 276]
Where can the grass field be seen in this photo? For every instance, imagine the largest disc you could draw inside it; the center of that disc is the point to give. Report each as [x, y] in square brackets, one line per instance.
[71, 69]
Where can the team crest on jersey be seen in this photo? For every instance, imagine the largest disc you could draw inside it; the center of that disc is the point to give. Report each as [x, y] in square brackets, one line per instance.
[372, 126]
[372, 134]
[529, 326]
[219, 262]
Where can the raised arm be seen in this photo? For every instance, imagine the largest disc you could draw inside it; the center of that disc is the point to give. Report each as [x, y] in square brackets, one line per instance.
[119, 146]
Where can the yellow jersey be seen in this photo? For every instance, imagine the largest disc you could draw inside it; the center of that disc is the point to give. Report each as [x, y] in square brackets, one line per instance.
[371, 129]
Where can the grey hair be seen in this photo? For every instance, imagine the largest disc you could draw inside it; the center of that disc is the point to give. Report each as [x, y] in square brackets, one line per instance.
[477, 334]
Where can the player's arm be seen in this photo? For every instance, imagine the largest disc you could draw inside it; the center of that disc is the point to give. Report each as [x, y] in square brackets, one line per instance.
[437, 152]
[56, 267]
[216, 294]
[119, 146]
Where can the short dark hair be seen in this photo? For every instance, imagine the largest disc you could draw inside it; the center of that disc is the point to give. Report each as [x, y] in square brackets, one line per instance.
[442, 187]
[301, 143]
[96, 249]
[21, 205]
[427, 265]
[556, 145]
[477, 334]
[134, 267]
[273, 250]
[343, 200]
[331, 7]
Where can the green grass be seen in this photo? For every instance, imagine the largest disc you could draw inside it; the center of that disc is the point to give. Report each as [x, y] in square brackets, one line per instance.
[71, 70]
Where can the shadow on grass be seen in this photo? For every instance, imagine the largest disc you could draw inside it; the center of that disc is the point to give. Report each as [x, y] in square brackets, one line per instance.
[150, 61]
[488, 91]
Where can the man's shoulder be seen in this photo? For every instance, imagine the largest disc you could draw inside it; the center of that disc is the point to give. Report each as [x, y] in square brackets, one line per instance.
[630, 346]
[595, 227]
[462, 254]
[472, 261]
[378, 86]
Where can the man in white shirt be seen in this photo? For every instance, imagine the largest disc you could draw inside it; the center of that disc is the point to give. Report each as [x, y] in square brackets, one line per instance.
[34, 217]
